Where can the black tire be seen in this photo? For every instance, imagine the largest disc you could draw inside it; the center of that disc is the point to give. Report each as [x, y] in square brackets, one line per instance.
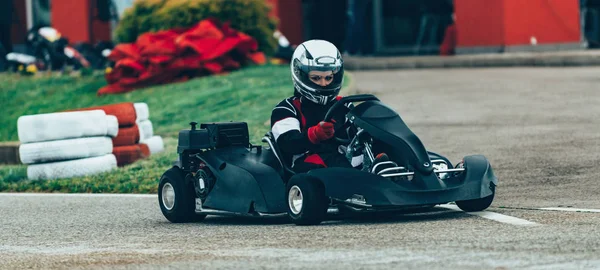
[314, 202]
[46, 57]
[182, 207]
[4, 65]
[476, 204]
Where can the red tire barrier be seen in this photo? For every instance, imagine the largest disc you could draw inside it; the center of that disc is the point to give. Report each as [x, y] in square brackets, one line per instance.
[127, 113]
[130, 153]
[127, 136]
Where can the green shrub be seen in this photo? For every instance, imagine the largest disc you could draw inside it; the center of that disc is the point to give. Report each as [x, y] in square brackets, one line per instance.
[248, 16]
[137, 20]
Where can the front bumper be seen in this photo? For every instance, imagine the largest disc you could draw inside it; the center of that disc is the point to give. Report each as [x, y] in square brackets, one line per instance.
[363, 189]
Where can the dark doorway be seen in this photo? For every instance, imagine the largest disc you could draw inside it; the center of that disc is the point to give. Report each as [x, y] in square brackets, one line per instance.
[411, 27]
[325, 19]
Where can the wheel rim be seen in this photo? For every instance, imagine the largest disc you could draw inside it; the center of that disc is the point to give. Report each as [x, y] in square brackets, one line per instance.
[295, 200]
[168, 196]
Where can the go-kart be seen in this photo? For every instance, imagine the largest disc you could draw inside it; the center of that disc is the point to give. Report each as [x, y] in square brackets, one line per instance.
[220, 173]
[48, 45]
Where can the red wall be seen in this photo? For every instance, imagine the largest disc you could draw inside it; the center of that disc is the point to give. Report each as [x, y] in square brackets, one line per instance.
[71, 19]
[289, 15]
[549, 21]
[77, 21]
[514, 22]
[479, 22]
[18, 31]
[274, 8]
[100, 29]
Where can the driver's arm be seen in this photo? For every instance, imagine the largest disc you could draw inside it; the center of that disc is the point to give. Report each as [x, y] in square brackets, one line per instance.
[288, 136]
[294, 142]
[286, 130]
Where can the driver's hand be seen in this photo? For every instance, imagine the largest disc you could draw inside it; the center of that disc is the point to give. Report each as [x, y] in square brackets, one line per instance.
[320, 132]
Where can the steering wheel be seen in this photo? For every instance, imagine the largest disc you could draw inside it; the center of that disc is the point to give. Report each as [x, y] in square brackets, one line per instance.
[339, 123]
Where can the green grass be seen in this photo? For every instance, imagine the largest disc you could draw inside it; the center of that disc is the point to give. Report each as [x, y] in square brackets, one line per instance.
[247, 95]
[139, 177]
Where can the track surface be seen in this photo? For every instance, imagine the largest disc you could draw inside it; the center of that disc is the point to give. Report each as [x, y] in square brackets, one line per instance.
[538, 127]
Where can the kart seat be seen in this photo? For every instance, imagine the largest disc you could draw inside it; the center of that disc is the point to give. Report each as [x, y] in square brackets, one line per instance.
[283, 161]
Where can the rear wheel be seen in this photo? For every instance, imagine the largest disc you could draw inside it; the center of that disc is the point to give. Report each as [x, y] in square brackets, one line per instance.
[176, 197]
[307, 203]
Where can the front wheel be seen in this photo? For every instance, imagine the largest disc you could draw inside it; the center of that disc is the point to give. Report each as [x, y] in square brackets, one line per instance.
[176, 198]
[476, 204]
[307, 203]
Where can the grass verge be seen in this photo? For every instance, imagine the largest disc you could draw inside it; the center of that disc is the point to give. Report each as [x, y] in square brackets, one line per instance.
[247, 95]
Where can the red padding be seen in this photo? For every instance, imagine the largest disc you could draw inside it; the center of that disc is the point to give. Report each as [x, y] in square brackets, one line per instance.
[145, 149]
[127, 136]
[125, 112]
[130, 153]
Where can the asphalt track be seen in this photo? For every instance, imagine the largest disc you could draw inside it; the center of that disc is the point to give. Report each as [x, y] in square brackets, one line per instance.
[539, 128]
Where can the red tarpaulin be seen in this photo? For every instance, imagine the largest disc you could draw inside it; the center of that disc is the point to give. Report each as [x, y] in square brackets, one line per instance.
[178, 54]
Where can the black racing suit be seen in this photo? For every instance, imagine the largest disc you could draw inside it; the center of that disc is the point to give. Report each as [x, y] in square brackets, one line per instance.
[290, 120]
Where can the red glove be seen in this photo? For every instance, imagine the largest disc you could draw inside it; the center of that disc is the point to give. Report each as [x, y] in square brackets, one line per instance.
[320, 132]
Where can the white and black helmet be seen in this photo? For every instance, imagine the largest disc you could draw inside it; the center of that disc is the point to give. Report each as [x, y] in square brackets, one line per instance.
[317, 55]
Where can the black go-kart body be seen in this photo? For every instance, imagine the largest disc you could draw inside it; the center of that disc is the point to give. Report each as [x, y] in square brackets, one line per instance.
[220, 173]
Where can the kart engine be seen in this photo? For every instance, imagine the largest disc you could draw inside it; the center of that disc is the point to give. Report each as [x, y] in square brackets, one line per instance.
[203, 181]
[193, 142]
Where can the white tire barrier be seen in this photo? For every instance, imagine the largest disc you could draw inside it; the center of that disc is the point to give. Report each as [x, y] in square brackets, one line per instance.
[72, 168]
[81, 143]
[68, 149]
[146, 130]
[112, 125]
[141, 111]
[65, 125]
[155, 144]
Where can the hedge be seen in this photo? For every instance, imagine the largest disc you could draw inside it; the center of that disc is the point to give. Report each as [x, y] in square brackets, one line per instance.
[248, 16]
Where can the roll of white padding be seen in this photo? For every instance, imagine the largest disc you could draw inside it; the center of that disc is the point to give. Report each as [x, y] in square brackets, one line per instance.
[112, 124]
[68, 149]
[146, 130]
[72, 168]
[141, 111]
[155, 144]
[65, 125]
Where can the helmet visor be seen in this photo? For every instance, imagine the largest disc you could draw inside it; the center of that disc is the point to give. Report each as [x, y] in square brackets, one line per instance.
[324, 79]
[323, 63]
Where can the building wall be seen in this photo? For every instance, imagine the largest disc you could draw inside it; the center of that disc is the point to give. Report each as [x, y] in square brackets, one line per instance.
[549, 21]
[506, 25]
[101, 30]
[479, 23]
[71, 19]
[19, 29]
[79, 22]
[289, 15]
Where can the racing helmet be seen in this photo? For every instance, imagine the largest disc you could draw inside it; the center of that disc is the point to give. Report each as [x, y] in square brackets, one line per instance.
[317, 55]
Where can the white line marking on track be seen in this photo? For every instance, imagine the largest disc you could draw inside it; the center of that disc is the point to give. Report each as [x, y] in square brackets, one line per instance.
[570, 209]
[78, 195]
[493, 216]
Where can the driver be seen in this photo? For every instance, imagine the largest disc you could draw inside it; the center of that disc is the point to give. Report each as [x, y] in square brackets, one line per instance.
[297, 124]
